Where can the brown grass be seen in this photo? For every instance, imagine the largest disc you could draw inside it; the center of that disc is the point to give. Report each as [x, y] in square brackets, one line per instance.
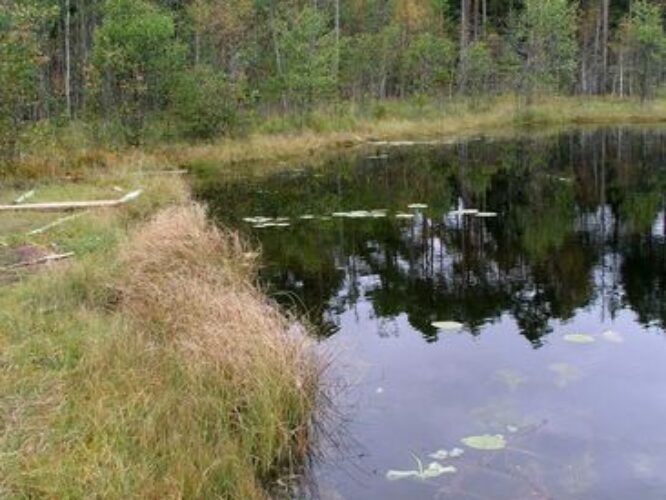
[161, 373]
[190, 286]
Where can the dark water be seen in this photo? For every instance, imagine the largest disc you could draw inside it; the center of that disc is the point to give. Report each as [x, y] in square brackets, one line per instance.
[577, 247]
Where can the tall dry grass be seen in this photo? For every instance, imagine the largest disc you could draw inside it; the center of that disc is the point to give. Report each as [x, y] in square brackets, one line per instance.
[161, 373]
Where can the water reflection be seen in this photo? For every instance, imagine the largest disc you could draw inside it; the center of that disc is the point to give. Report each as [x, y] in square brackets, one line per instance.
[580, 219]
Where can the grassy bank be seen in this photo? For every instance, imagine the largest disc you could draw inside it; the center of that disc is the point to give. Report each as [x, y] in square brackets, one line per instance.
[272, 142]
[149, 366]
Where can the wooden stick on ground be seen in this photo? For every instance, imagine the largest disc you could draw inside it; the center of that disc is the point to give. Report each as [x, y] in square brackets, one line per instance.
[72, 205]
[24, 197]
[42, 260]
[55, 223]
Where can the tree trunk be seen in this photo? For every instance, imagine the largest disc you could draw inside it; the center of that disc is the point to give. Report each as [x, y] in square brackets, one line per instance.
[337, 39]
[68, 68]
[605, 7]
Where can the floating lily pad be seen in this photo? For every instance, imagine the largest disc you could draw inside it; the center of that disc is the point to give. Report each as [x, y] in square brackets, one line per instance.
[465, 211]
[485, 442]
[444, 454]
[612, 336]
[440, 455]
[433, 470]
[394, 475]
[579, 338]
[447, 325]
[257, 220]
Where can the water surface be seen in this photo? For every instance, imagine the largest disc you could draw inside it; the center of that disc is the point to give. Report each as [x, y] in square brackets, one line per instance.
[576, 247]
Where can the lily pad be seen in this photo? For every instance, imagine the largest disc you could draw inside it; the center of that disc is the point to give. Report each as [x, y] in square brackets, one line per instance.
[579, 338]
[612, 336]
[447, 325]
[485, 442]
[440, 455]
[444, 454]
[465, 211]
[433, 470]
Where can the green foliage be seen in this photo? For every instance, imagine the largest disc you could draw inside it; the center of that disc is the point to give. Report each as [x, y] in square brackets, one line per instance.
[307, 56]
[20, 60]
[135, 58]
[647, 43]
[545, 39]
[429, 62]
[203, 104]
[479, 68]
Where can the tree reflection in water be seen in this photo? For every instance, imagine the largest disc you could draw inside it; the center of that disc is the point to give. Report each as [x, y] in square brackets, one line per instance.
[581, 221]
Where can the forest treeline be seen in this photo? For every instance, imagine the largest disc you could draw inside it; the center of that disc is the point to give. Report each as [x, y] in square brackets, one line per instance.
[203, 65]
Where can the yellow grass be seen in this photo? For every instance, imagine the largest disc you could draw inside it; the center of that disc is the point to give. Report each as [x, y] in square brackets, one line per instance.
[150, 366]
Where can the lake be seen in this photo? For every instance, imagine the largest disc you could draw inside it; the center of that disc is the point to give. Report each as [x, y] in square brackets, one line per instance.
[503, 337]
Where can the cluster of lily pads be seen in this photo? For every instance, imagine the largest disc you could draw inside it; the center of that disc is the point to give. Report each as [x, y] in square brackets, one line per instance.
[260, 222]
[485, 442]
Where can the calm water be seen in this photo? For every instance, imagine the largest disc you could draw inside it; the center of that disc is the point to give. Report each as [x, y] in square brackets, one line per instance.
[577, 247]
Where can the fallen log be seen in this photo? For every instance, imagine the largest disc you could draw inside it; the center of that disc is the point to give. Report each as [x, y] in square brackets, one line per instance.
[42, 260]
[71, 205]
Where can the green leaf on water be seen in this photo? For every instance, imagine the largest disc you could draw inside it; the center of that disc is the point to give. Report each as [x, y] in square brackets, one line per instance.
[611, 336]
[433, 470]
[485, 442]
[440, 455]
[394, 475]
[579, 338]
[447, 325]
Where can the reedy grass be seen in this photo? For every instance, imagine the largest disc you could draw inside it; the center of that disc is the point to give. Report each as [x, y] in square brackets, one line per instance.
[150, 366]
[272, 143]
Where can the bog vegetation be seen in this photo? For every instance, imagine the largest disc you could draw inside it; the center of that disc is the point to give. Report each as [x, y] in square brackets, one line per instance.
[149, 365]
[134, 71]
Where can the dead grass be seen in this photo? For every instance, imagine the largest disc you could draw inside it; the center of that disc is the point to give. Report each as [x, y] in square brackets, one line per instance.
[150, 366]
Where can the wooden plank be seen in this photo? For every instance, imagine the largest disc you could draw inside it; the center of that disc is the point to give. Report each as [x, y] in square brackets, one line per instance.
[42, 260]
[71, 205]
